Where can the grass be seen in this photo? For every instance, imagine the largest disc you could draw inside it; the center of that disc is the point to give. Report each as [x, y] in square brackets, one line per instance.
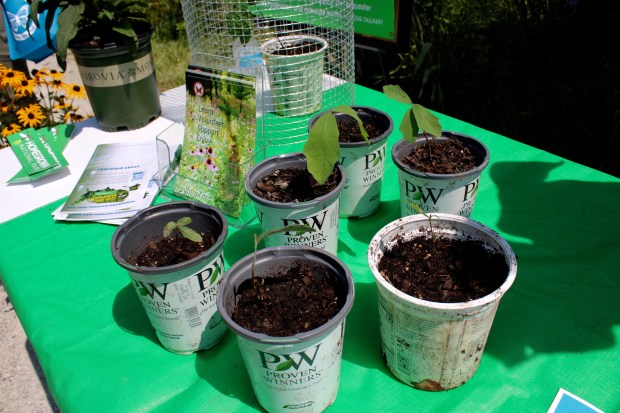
[171, 59]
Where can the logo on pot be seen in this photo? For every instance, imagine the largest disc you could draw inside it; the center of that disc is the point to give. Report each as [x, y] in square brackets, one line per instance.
[290, 369]
[283, 362]
[314, 221]
[432, 194]
[374, 158]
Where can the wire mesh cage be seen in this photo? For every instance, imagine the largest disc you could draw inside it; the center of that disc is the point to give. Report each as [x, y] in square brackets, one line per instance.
[300, 51]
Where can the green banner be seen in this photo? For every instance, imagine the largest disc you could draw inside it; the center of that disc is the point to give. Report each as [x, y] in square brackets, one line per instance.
[376, 18]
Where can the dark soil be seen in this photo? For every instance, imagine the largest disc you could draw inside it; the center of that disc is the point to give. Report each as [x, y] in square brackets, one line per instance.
[172, 250]
[445, 156]
[294, 185]
[443, 270]
[349, 130]
[296, 300]
[297, 49]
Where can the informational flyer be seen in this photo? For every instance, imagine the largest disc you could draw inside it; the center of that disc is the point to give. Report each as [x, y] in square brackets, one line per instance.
[114, 182]
[218, 145]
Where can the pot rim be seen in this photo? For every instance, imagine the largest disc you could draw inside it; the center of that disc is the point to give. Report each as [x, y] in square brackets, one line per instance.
[377, 246]
[367, 109]
[294, 158]
[267, 49]
[470, 141]
[140, 217]
[236, 272]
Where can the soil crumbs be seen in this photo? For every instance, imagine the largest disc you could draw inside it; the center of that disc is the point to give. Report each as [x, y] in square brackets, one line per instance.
[294, 185]
[300, 299]
[443, 270]
[435, 156]
[173, 250]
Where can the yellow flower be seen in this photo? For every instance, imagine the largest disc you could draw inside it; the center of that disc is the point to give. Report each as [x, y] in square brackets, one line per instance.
[4, 107]
[57, 84]
[11, 129]
[31, 116]
[12, 78]
[75, 91]
[54, 74]
[25, 88]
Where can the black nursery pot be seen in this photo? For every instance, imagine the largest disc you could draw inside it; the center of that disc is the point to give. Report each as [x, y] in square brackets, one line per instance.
[121, 87]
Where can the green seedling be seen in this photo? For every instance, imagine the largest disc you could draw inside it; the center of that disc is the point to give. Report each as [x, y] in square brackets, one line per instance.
[298, 229]
[182, 226]
[322, 149]
[416, 118]
[416, 197]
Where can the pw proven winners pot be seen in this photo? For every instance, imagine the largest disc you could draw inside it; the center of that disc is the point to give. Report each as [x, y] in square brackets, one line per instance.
[319, 213]
[179, 299]
[431, 345]
[363, 164]
[299, 373]
[445, 193]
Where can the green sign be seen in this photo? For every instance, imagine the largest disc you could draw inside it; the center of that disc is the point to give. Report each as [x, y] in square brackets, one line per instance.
[375, 18]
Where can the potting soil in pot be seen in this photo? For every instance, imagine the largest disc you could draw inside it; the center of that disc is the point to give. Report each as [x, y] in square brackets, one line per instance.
[294, 185]
[298, 299]
[172, 250]
[349, 129]
[443, 270]
[449, 156]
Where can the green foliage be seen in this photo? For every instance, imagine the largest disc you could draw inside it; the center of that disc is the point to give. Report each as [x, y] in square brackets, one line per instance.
[166, 16]
[182, 225]
[416, 117]
[322, 149]
[99, 21]
[171, 58]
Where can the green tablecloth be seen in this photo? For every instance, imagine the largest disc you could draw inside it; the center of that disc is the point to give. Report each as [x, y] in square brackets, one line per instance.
[558, 327]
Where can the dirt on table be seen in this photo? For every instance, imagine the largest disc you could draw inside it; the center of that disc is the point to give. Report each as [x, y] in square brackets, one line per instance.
[443, 270]
[172, 250]
[445, 156]
[294, 185]
[291, 301]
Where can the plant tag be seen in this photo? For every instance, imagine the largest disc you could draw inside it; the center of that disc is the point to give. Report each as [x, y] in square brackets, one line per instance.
[55, 140]
[33, 153]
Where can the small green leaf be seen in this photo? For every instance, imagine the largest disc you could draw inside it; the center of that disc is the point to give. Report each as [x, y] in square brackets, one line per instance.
[184, 221]
[170, 226]
[426, 120]
[395, 92]
[190, 234]
[285, 365]
[409, 126]
[322, 149]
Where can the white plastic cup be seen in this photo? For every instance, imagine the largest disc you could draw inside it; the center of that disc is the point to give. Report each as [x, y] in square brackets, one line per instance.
[429, 345]
[300, 373]
[180, 299]
[443, 193]
[320, 213]
[296, 81]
